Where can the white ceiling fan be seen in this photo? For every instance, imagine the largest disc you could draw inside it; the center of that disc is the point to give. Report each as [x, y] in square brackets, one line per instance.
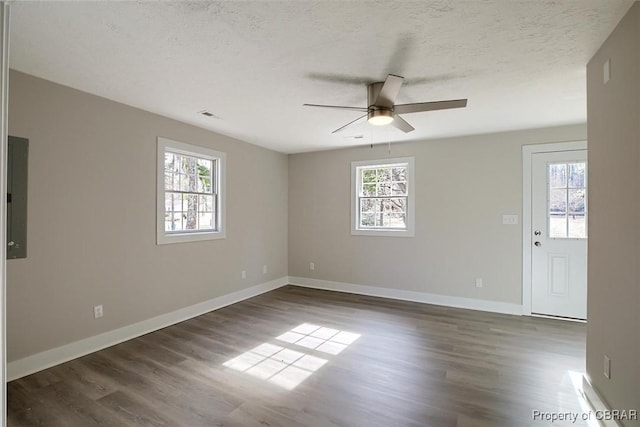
[382, 110]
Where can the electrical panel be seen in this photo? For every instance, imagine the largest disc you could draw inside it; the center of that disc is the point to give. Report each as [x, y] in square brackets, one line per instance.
[17, 175]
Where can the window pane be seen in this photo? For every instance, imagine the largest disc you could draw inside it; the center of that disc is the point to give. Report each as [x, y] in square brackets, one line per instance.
[193, 182]
[177, 218]
[177, 181]
[384, 189]
[557, 201]
[558, 175]
[367, 205]
[178, 163]
[399, 188]
[367, 220]
[191, 202]
[204, 166]
[191, 220]
[185, 183]
[189, 164]
[205, 220]
[177, 202]
[369, 190]
[168, 202]
[558, 225]
[168, 223]
[379, 218]
[384, 174]
[398, 220]
[172, 201]
[168, 181]
[386, 220]
[204, 184]
[577, 226]
[576, 201]
[168, 161]
[171, 166]
[368, 175]
[205, 203]
[399, 174]
[577, 174]
[398, 205]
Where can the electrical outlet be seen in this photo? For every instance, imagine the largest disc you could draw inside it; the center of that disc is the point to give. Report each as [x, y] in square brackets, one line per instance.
[264, 269]
[607, 367]
[243, 274]
[312, 266]
[97, 311]
[478, 283]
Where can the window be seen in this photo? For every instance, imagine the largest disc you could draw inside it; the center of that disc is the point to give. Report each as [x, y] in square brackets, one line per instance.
[190, 193]
[567, 200]
[382, 197]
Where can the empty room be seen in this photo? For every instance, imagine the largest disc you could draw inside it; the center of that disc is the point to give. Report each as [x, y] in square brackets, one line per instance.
[320, 213]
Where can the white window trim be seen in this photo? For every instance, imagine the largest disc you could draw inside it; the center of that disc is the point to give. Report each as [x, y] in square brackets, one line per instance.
[411, 201]
[163, 237]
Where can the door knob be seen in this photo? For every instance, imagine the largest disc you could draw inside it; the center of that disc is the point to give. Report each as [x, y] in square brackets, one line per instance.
[537, 232]
[11, 243]
[538, 244]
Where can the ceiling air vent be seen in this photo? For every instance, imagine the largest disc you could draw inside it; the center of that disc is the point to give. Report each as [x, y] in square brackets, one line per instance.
[208, 114]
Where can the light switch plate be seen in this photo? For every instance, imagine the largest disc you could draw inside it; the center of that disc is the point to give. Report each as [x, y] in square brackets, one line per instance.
[510, 219]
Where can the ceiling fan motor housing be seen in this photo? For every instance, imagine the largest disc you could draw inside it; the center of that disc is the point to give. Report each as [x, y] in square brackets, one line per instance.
[377, 115]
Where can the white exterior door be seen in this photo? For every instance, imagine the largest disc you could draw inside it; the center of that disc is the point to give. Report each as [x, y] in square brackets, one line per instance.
[559, 234]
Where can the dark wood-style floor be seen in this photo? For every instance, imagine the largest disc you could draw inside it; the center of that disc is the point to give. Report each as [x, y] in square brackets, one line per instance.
[303, 357]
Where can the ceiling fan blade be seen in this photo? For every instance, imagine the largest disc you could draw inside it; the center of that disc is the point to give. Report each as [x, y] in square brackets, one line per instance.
[389, 91]
[363, 109]
[350, 123]
[402, 124]
[429, 106]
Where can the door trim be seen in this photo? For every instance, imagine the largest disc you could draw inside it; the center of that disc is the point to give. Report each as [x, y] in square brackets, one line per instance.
[4, 104]
[527, 156]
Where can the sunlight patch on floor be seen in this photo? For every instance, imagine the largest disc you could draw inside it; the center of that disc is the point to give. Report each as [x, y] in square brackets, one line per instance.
[288, 367]
[326, 340]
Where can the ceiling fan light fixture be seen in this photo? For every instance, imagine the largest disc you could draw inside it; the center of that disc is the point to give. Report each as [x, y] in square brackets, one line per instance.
[380, 117]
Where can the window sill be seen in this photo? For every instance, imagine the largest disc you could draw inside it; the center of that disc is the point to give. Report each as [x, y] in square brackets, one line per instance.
[383, 233]
[165, 239]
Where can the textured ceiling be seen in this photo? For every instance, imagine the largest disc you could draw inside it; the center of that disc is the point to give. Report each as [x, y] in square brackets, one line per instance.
[521, 64]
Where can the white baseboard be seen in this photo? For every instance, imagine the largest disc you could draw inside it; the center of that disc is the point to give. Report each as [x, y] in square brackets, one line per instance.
[597, 404]
[436, 299]
[46, 359]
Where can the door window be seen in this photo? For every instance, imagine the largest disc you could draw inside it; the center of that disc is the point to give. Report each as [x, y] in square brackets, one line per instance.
[567, 200]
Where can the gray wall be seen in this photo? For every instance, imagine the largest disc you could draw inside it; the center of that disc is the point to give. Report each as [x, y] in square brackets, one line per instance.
[464, 186]
[614, 221]
[92, 213]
